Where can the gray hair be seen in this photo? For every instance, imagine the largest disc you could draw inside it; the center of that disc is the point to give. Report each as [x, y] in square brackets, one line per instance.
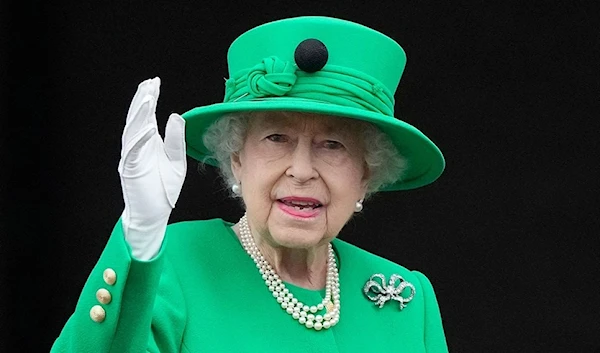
[226, 136]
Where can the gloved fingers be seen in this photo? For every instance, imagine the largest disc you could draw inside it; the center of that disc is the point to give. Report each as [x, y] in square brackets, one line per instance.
[142, 111]
[146, 87]
[175, 142]
[134, 150]
[143, 118]
[174, 146]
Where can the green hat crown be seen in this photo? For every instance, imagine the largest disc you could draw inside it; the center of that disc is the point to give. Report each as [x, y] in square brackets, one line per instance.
[354, 49]
[320, 65]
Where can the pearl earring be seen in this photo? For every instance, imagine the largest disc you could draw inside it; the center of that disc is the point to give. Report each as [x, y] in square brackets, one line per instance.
[236, 189]
[358, 206]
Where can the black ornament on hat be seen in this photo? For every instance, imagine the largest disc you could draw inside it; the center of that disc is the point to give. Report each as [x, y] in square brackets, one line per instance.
[311, 55]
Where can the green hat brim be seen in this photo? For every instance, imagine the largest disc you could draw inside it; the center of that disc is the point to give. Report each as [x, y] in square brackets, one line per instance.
[425, 162]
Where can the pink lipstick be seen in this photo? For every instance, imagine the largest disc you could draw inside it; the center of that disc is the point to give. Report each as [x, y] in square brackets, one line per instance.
[303, 207]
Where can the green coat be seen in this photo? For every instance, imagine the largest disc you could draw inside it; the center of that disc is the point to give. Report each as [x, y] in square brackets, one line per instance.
[203, 293]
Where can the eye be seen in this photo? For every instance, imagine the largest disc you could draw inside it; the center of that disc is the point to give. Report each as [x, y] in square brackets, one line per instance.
[333, 145]
[277, 138]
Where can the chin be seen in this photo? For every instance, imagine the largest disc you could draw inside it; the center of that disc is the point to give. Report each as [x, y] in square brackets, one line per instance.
[298, 238]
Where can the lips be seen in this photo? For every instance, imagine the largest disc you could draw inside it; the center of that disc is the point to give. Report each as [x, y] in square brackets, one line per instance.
[301, 202]
[300, 207]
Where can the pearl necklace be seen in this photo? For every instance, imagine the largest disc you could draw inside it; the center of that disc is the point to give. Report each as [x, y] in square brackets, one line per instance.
[309, 316]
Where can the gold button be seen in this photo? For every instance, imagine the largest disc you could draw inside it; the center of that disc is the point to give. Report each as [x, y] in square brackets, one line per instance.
[97, 313]
[103, 296]
[110, 277]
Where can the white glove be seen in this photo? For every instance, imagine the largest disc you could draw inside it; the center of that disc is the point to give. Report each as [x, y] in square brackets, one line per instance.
[152, 172]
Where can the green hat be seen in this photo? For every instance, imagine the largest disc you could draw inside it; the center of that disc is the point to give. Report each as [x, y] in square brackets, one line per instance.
[320, 65]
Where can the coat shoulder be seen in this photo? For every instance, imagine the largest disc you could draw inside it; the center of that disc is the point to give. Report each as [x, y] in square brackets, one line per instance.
[356, 257]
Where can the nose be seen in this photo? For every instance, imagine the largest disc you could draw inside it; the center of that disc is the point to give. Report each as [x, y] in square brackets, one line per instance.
[302, 166]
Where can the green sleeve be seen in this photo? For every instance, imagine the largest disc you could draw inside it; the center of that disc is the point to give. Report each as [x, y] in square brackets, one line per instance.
[435, 339]
[137, 318]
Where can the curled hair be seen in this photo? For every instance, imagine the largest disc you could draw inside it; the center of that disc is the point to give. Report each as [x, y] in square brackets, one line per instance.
[223, 138]
[384, 163]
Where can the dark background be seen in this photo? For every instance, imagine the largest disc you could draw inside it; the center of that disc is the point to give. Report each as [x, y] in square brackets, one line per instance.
[508, 90]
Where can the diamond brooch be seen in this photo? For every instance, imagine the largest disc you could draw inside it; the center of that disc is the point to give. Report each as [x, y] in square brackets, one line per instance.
[380, 292]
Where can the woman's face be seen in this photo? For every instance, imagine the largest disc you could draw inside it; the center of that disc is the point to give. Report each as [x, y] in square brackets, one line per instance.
[301, 176]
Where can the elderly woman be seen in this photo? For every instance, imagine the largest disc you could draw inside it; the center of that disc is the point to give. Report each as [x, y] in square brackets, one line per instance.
[305, 134]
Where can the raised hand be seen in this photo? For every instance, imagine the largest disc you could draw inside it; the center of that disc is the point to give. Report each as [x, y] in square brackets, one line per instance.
[152, 171]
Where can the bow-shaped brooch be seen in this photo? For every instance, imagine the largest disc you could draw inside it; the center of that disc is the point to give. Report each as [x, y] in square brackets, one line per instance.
[379, 292]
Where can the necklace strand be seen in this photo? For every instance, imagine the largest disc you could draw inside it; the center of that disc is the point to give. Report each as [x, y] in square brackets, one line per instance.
[311, 317]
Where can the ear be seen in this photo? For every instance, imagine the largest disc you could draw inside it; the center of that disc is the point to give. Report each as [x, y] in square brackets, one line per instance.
[364, 183]
[236, 165]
